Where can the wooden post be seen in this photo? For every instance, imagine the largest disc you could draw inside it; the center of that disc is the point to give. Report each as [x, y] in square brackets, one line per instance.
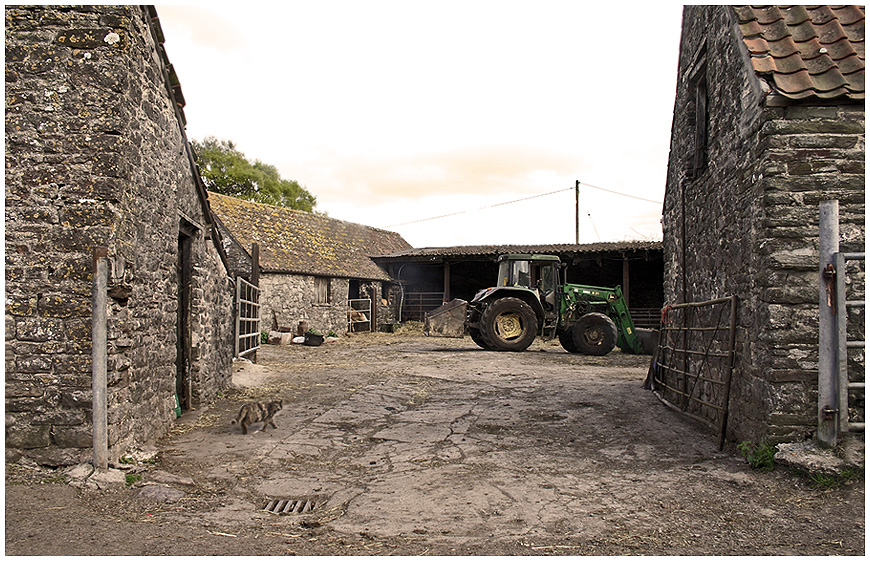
[625, 269]
[446, 297]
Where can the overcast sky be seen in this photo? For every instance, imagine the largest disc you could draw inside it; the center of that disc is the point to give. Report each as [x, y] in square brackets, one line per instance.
[395, 112]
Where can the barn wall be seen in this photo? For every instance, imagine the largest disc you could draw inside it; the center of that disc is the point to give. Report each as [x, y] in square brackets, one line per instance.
[747, 224]
[95, 156]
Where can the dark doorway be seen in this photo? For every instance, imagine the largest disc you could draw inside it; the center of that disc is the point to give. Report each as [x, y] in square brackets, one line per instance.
[182, 362]
[353, 289]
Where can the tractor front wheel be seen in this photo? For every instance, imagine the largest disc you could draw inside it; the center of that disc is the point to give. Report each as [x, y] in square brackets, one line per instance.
[475, 336]
[508, 324]
[594, 334]
[566, 338]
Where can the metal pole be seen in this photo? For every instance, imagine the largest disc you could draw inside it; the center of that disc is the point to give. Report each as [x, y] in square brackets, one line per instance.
[577, 211]
[98, 360]
[829, 241]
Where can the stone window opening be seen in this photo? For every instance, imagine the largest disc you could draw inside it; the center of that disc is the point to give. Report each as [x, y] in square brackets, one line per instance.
[322, 290]
[696, 161]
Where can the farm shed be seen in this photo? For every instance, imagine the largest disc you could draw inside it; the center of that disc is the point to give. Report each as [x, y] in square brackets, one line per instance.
[312, 267]
[97, 157]
[432, 276]
[768, 122]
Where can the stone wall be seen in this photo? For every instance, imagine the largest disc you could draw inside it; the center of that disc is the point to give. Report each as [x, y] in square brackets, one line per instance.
[289, 299]
[96, 156]
[747, 224]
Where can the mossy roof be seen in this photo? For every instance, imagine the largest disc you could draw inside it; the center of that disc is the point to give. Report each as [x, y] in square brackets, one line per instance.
[293, 241]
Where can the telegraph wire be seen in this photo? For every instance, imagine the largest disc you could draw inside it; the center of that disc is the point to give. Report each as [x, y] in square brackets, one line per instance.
[521, 200]
[621, 194]
[481, 208]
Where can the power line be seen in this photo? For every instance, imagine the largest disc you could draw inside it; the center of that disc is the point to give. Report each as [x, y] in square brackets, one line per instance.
[481, 208]
[621, 194]
[521, 200]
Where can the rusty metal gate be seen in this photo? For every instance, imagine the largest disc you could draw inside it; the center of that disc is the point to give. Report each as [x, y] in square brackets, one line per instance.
[691, 368]
[247, 318]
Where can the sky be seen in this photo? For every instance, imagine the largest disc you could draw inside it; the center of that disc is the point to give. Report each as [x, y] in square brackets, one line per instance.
[451, 122]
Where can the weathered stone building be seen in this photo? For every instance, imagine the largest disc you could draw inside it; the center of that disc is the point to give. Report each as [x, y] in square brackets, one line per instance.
[96, 156]
[310, 265]
[768, 122]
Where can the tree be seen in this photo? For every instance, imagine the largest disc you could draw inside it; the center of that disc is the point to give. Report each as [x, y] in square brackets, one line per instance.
[226, 170]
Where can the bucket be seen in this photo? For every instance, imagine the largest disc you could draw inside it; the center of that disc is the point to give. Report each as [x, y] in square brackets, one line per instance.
[313, 339]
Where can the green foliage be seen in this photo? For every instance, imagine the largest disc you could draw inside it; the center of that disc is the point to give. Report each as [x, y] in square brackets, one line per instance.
[132, 478]
[760, 457]
[829, 481]
[264, 337]
[226, 170]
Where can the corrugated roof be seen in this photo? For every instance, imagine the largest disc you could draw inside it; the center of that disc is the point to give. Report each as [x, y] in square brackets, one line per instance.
[807, 51]
[491, 251]
[294, 241]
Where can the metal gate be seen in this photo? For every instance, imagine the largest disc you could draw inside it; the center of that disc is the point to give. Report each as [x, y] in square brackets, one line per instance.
[359, 314]
[416, 305]
[841, 376]
[247, 318]
[691, 369]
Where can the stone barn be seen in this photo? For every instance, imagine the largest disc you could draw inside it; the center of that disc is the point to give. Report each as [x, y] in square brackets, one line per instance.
[97, 157]
[311, 267]
[768, 122]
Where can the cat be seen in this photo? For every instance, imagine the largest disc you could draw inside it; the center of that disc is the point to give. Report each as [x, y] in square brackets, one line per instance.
[258, 412]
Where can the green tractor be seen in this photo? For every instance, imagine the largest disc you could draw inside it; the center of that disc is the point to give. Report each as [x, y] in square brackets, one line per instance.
[530, 300]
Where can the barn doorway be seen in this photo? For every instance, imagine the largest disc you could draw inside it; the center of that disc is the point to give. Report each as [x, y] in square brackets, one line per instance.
[186, 234]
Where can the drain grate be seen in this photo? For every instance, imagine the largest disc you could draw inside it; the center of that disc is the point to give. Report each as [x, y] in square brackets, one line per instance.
[290, 506]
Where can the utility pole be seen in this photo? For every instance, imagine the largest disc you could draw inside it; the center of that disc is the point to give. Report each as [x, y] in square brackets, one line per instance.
[577, 211]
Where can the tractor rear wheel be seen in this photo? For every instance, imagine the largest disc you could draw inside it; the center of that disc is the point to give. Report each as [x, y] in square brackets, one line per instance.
[508, 324]
[594, 334]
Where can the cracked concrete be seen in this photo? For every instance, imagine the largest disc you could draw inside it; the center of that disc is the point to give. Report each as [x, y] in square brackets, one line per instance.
[422, 445]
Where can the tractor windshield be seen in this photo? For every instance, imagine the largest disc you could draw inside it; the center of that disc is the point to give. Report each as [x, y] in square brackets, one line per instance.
[515, 273]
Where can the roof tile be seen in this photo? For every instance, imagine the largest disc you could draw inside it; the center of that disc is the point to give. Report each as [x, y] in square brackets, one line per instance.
[303, 242]
[807, 51]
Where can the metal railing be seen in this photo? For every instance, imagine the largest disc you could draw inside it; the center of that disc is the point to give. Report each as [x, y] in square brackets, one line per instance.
[247, 318]
[359, 314]
[691, 369]
[836, 386]
[416, 304]
[843, 345]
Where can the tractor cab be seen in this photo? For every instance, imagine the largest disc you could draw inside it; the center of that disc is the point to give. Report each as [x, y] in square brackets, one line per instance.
[538, 273]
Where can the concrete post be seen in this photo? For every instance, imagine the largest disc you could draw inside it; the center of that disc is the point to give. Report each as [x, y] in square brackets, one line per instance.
[829, 242]
[99, 329]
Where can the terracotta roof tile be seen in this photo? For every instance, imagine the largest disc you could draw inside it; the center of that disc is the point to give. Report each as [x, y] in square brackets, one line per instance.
[294, 241]
[807, 51]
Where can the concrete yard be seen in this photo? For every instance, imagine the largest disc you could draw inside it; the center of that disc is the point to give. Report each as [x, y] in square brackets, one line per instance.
[413, 445]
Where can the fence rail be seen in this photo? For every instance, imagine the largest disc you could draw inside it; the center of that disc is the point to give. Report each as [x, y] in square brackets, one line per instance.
[359, 314]
[647, 318]
[852, 394]
[691, 368]
[418, 303]
[247, 318]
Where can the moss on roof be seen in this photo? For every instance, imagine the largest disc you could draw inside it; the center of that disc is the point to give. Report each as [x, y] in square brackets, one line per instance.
[294, 241]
